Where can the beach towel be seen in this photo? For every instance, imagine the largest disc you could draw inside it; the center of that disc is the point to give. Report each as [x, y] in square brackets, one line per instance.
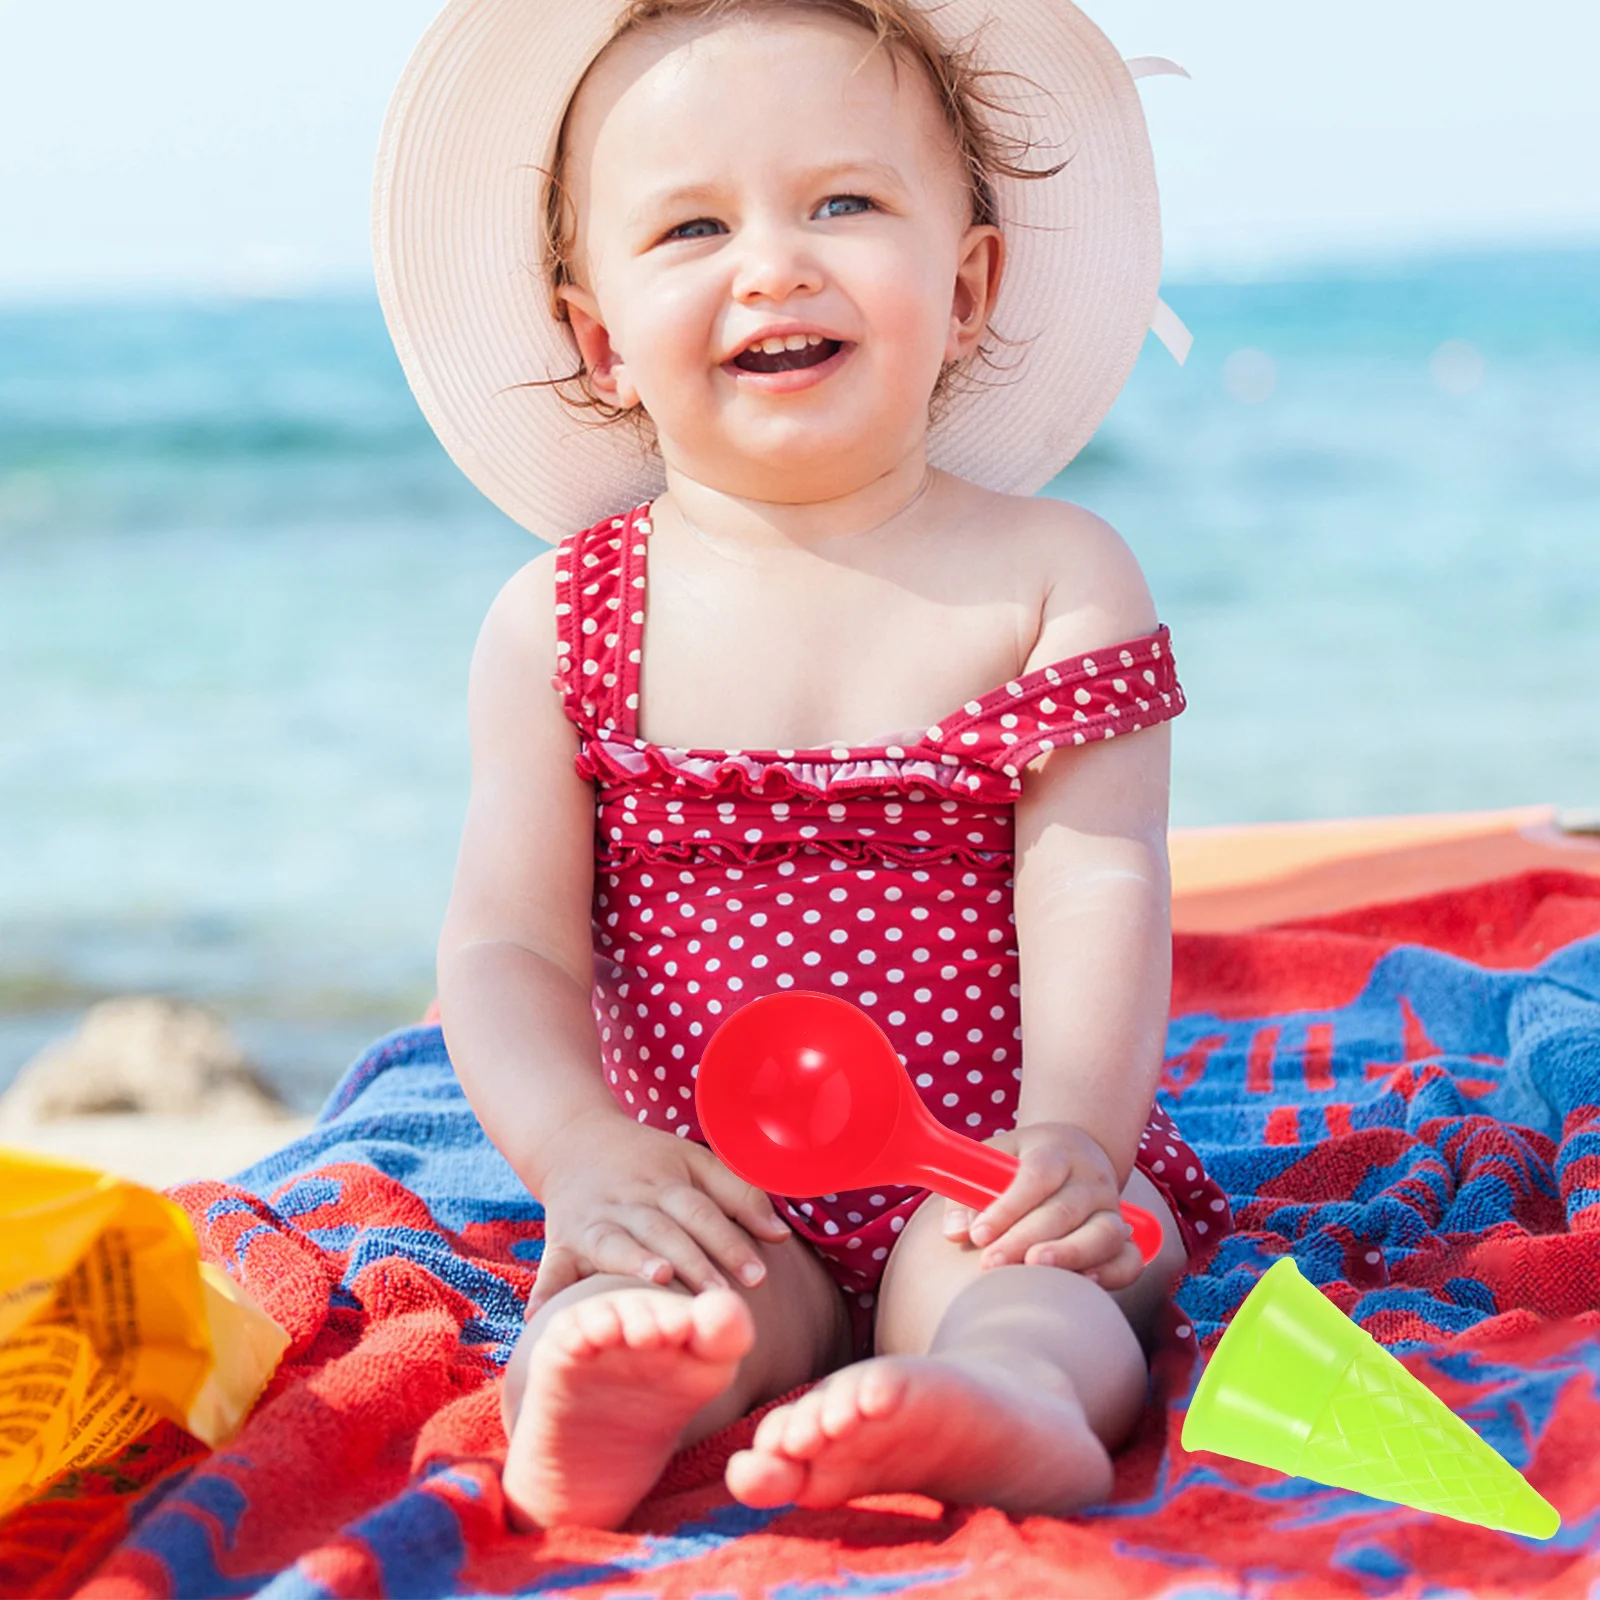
[1404, 1097]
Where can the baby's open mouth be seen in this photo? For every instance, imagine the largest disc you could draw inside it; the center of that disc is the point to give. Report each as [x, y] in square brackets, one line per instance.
[787, 354]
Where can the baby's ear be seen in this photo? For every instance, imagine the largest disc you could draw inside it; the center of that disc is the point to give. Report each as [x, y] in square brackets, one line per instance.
[977, 288]
[608, 373]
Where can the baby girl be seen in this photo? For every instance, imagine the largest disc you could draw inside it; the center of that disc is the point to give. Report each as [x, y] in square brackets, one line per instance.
[826, 715]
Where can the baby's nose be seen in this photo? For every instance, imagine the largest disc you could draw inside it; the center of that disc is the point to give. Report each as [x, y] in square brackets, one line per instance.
[773, 264]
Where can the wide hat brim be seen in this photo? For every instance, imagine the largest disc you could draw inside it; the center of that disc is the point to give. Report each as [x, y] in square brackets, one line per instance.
[457, 199]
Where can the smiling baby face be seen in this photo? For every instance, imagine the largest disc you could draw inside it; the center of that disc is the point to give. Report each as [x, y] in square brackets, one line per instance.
[774, 252]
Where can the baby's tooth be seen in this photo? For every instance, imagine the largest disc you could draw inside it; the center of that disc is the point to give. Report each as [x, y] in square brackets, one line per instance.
[796, 341]
[772, 347]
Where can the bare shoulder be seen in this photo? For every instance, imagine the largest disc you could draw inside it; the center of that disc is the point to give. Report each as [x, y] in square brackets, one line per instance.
[517, 640]
[525, 608]
[514, 708]
[1092, 801]
[1092, 589]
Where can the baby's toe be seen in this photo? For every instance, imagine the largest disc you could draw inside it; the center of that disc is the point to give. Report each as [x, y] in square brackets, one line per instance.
[772, 1431]
[651, 1318]
[806, 1428]
[587, 1326]
[785, 1429]
[761, 1479]
[722, 1328]
[841, 1403]
[882, 1389]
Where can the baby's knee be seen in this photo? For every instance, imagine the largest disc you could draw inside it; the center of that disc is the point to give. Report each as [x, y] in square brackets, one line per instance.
[802, 1322]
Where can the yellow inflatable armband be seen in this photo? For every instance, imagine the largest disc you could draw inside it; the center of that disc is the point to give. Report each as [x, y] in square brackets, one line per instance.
[108, 1321]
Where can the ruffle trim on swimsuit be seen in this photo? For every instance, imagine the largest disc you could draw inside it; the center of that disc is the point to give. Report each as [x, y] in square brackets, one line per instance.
[762, 814]
[616, 761]
[620, 855]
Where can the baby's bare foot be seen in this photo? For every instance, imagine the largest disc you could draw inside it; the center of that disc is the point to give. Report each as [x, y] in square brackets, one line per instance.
[611, 1383]
[957, 1429]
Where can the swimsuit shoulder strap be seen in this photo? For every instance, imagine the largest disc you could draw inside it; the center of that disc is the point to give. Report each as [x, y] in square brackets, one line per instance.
[1115, 690]
[599, 584]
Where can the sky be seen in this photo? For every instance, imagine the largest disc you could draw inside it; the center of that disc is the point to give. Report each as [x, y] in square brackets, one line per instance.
[205, 145]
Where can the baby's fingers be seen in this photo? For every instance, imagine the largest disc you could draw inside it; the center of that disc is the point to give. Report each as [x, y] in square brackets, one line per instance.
[957, 1222]
[1121, 1270]
[650, 1239]
[637, 1242]
[1096, 1248]
[1040, 1174]
[715, 1232]
[559, 1268]
[741, 1201]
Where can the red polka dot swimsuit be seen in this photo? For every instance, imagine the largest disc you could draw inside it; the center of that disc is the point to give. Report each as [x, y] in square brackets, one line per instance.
[882, 874]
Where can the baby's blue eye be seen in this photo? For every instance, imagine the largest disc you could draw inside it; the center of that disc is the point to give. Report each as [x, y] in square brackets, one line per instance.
[682, 231]
[847, 199]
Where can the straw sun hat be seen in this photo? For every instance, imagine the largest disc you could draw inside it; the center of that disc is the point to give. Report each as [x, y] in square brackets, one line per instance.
[456, 230]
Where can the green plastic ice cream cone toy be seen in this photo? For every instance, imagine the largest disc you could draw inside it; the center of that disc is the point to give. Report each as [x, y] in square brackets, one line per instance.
[1295, 1385]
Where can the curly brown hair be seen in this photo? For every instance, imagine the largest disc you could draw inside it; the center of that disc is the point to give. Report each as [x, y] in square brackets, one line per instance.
[973, 111]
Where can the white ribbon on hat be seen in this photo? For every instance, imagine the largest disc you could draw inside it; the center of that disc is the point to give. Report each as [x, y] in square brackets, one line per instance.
[1155, 67]
[1168, 327]
[1166, 324]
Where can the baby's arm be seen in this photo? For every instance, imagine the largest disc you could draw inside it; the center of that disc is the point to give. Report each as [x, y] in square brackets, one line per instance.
[516, 973]
[1092, 901]
[1093, 895]
[515, 966]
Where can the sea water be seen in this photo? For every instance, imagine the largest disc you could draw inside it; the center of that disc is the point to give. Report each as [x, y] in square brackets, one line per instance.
[240, 582]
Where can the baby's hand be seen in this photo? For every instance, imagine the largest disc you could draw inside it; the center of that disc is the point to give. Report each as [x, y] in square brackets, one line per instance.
[631, 1199]
[1062, 1209]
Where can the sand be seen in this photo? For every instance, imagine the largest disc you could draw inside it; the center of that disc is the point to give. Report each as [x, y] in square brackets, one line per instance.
[157, 1150]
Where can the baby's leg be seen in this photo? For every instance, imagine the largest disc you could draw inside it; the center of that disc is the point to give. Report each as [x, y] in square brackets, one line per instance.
[613, 1375]
[1006, 1388]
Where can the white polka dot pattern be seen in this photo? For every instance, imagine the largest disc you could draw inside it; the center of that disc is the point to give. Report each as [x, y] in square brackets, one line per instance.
[882, 875]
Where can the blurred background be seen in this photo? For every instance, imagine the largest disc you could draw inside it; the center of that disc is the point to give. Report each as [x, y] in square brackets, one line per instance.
[240, 580]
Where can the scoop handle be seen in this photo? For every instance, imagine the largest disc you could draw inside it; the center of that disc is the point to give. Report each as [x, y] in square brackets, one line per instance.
[973, 1174]
[957, 1167]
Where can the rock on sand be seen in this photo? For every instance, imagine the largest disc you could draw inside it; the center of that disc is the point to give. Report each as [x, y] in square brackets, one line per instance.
[156, 1089]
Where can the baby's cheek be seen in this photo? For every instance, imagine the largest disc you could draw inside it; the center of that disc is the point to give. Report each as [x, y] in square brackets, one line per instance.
[667, 340]
[910, 326]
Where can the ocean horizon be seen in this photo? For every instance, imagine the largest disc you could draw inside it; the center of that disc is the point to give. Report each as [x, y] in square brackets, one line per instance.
[240, 583]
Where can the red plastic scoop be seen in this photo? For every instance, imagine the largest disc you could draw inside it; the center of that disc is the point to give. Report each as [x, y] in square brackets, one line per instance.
[803, 1094]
